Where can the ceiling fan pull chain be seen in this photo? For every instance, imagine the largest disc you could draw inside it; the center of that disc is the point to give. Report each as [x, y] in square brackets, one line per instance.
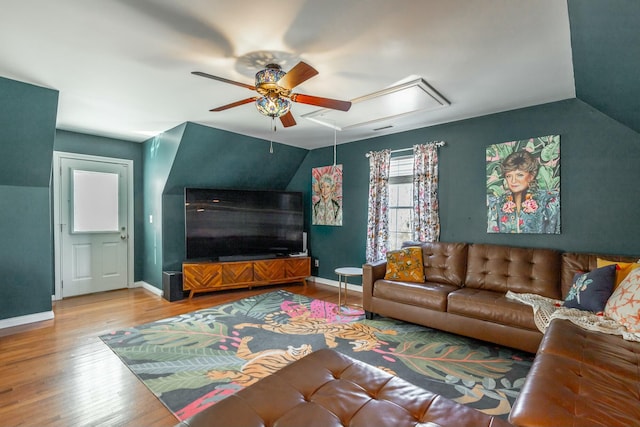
[335, 142]
[273, 122]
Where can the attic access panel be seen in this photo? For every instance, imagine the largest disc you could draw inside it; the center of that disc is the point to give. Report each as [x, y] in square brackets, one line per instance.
[395, 101]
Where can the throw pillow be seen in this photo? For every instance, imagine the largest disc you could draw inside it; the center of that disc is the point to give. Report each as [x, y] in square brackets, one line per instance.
[624, 304]
[622, 271]
[405, 265]
[590, 291]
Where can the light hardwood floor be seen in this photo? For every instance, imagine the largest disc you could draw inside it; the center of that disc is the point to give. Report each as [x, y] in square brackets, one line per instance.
[59, 373]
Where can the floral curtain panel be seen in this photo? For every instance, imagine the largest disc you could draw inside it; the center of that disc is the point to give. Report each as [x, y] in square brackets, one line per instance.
[426, 220]
[377, 220]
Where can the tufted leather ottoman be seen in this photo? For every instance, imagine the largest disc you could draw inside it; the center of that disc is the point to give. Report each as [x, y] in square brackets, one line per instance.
[327, 388]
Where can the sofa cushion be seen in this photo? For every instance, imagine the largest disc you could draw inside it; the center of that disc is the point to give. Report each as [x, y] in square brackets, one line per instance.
[566, 392]
[428, 295]
[608, 352]
[590, 291]
[624, 304]
[490, 306]
[445, 262]
[622, 270]
[522, 270]
[580, 378]
[405, 264]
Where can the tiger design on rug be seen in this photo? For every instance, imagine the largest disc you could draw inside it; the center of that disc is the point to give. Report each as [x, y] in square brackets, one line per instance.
[361, 336]
[259, 364]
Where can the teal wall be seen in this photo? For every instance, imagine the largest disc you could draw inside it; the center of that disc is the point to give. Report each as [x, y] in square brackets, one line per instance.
[599, 178]
[158, 158]
[82, 143]
[27, 130]
[606, 59]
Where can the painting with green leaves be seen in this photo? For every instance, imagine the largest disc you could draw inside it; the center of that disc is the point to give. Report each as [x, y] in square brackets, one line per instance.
[523, 186]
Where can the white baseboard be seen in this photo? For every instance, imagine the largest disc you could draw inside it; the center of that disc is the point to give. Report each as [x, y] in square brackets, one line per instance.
[148, 287]
[335, 283]
[23, 320]
[322, 280]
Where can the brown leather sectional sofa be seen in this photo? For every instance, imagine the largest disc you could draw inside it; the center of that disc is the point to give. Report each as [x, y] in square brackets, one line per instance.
[578, 378]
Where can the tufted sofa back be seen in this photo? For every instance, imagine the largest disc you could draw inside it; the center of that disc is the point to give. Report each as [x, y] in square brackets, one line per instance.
[504, 268]
[445, 262]
[500, 268]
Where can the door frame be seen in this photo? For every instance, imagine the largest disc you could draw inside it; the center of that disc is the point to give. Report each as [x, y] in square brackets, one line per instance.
[57, 220]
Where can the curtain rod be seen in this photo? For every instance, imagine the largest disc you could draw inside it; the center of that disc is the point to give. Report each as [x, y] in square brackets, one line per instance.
[400, 150]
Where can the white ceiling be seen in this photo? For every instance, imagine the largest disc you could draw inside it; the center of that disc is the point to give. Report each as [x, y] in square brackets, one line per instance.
[123, 67]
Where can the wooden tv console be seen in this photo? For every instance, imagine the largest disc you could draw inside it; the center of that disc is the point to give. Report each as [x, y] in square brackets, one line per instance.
[214, 276]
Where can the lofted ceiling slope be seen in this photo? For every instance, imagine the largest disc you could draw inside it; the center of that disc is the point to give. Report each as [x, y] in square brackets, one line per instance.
[606, 55]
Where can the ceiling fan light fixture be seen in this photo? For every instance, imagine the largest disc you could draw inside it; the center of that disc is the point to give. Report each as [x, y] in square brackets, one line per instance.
[273, 106]
[267, 79]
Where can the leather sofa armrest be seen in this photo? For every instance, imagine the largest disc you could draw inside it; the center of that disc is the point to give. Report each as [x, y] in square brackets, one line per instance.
[370, 273]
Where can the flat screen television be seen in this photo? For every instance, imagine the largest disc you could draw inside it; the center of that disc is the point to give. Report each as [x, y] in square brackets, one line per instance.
[227, 225]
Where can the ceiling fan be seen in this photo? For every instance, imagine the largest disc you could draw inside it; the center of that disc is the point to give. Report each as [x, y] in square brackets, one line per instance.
[274, 92]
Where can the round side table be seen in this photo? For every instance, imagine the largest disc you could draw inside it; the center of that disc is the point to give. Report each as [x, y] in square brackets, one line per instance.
[344, 273]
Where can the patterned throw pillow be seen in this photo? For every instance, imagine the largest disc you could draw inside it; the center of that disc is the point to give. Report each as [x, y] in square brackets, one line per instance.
[590, 291]
[622, 271]
[624, 304]
[405, 265]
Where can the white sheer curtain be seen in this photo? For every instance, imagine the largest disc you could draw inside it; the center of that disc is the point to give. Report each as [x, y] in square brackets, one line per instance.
[426, 219]
[377, 220]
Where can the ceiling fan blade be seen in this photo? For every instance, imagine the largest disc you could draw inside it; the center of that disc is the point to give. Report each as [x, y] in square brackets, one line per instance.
[288, 120]
[334, 104]
[298, 74]
[235, 104]
[222, 79]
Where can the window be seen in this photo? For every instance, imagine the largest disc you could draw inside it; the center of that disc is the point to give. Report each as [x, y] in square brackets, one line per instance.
[400, 201]
[95, 202]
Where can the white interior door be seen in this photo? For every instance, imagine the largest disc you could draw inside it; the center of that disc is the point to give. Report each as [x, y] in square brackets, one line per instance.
[94, 229]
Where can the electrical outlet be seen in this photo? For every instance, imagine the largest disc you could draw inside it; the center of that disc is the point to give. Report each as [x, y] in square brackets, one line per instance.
[316, 262]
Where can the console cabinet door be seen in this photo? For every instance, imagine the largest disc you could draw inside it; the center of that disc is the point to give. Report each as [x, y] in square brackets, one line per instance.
[269, 270]
[298, 267]
[201, 276]
[237, 273]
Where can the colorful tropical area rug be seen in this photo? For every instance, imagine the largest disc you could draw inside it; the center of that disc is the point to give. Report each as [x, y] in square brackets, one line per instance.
[194, 360]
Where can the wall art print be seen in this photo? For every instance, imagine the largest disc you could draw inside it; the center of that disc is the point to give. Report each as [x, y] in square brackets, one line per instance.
[326, 199]
[523, 186]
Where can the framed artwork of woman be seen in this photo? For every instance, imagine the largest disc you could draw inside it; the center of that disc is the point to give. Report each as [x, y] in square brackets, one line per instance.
[326, 195]
[523, 186]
